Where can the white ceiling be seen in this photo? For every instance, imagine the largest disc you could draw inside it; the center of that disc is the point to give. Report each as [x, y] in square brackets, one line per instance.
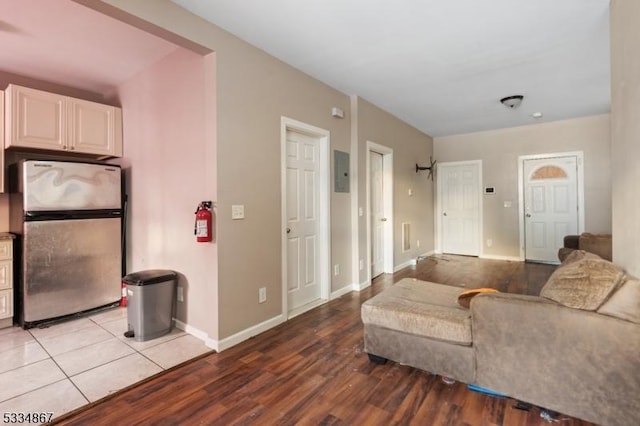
[440, 65]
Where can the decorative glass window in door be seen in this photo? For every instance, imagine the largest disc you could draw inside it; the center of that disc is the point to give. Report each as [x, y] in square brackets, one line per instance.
[548, 172]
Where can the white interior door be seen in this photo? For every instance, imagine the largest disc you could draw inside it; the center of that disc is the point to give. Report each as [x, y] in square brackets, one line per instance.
[460, 207]
[378, 219]
[302, 209]
[550, 205]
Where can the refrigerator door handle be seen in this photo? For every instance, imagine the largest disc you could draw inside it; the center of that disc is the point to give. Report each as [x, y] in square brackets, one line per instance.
[32, 217]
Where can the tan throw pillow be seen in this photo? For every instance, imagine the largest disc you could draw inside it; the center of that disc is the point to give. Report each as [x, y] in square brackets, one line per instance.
[625, 302]
[464, 299]
[576, 255]
[583, 284]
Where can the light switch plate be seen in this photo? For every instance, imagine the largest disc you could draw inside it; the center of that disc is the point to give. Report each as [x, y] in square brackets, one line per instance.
[237, 211]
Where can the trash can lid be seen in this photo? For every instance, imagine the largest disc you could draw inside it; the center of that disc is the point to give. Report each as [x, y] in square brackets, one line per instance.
[151, 276]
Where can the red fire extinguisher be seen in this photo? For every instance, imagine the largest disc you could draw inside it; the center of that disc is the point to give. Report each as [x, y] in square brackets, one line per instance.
[123, 298]
[204, 217]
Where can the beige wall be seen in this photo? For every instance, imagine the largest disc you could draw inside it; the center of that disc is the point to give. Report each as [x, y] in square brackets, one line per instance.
[625, 131]
[410, 146]
[253, 91]
[499, 151]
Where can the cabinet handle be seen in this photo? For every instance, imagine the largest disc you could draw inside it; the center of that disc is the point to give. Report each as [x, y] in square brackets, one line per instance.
[64, 147]
[72, 148]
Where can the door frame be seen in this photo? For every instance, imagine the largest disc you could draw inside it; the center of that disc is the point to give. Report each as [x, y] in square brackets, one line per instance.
[579, 176]
[387, 177]
[324, 209]
[439, 203]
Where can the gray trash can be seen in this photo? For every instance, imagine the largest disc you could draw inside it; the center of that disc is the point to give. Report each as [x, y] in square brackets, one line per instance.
[150, 303]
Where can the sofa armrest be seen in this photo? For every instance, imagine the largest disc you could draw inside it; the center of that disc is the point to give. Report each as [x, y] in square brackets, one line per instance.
[571, 241]
[576, 362]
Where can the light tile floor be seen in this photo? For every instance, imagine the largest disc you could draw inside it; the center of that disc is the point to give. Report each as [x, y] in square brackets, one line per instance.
[67, 365]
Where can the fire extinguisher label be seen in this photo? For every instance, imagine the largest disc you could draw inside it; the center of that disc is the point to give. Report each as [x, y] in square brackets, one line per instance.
[201, 228]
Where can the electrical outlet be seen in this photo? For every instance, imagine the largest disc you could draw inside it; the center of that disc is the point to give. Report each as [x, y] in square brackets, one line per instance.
[262, 294]
[418, 243]
[336, 269]
[180, 294]
[489, 242]
[361, 264]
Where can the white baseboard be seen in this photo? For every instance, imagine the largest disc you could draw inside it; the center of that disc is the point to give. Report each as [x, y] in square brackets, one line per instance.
[414, 261]
[227, 342]
[362, 285]
[339, 293]
[195, 332]
[429, 253]
[404, 265]
[246, 334]
[496, 257]
[348, 289]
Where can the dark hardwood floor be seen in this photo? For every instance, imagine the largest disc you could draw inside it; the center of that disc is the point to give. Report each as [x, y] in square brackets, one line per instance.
[312, 370]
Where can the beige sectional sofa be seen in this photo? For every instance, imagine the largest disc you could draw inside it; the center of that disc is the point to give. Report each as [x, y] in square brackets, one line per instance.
[573, 349]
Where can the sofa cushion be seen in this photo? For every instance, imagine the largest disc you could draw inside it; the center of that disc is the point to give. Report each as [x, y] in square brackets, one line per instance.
[583, 284]
[420, 308]
[625, 302]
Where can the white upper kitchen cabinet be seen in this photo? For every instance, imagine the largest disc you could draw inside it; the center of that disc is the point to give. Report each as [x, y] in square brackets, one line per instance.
[94, 128]
[41, 120]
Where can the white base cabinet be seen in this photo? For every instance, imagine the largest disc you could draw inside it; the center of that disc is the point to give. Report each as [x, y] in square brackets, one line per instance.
[6, 280]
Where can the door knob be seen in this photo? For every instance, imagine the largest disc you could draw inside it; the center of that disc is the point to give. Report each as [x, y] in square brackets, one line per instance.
[528, 215]
[288, 230]
[384, 219]
[444, 214]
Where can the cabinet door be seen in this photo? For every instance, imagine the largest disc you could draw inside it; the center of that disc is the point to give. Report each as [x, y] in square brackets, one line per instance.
[6, 249]
[37, 119]
[93, 128]
[6, 304]
[6, 274]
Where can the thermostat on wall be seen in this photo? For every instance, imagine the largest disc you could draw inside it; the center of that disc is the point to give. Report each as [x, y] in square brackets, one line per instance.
[489, 190]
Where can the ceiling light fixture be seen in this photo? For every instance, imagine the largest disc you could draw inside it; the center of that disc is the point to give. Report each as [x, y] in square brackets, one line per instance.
[512, 102]
[537, 115]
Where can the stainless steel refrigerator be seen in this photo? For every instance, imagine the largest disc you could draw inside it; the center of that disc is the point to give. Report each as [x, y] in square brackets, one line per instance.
[69, 217]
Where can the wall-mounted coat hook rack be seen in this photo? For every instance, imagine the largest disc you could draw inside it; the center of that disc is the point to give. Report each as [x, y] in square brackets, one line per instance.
[431, 167]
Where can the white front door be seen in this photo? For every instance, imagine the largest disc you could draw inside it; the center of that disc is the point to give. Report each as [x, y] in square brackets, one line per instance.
[302, 210]
[378, 219]
[550, 205]
[460, 207]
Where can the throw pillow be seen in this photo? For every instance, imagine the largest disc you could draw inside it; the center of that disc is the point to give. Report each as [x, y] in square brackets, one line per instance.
[576, 255]
[624, 303]
[464, 299]
[583, 284]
